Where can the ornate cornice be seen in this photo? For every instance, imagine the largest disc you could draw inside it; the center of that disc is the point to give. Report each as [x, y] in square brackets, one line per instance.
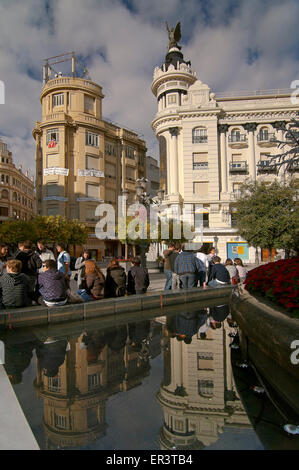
[223, 127]
[256, 116]
[250, 126]
[174, 131]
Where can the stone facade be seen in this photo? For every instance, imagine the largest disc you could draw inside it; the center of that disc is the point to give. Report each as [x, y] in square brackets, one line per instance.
[17, 196]
[81, 159]
[210, 144]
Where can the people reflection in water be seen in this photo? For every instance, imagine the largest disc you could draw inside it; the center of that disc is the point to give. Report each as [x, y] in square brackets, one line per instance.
[51, 355]
[217, 315]
[94, 344]
[17, 359]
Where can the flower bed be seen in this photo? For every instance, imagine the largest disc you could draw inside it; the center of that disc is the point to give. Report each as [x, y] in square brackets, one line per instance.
[278, 282]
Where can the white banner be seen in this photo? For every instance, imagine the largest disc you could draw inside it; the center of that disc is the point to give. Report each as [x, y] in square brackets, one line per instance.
[97, 173]
[55, 198]
[55, 170]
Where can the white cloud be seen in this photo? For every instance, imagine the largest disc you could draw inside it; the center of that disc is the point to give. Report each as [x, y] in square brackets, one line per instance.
[216, 37]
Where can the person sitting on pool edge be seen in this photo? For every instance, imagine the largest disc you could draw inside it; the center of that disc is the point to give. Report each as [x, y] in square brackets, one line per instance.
[219, 274]
[52, 285]
[138, 278]
[15, 286]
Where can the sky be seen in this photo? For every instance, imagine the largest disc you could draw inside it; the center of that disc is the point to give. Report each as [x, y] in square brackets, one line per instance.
[233, 45]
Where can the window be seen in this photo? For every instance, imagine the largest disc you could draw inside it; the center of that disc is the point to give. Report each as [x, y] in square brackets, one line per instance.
[4, 194]
[58, 99]
[109, 148]
[52, 160]
[93, 190]
[201, 220]
[60, 421]
[110, 195]
[236, 187]
[171, 99]
[93, 381]
[7, 179]
[130, 174]
[92, 163]
[206, 388]
[199, 136]
[91, 139]
[205, 361]
[130, 152]
[201, 188]
[3, 178]
[89, 102]
[54, 384]
[4, 211]
[110, 170]
[52, 189]
[140, 159]
[90, 213]
[263, 134]
[53, 211]
[200, 160]
[179, 425]
[52, 136]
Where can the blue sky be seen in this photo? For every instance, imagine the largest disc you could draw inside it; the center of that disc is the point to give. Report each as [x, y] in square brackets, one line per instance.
[233, 45]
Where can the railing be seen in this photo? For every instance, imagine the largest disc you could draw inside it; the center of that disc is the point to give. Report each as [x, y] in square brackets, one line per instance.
[238, 166]
[199, 139]
[265, 137]
[279, 91]
[265, 165]
[234, 138]
[200, 165]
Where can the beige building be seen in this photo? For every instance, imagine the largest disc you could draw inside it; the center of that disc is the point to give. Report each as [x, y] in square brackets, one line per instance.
[198, 395]
[17, 196]
[81, 159]
[210, 143]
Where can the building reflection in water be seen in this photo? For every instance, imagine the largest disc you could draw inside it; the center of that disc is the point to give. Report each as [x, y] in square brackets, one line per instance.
[76, 377]
[198, 395]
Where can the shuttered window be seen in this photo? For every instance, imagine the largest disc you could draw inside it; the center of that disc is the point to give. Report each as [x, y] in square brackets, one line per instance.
[52, 189]
[110, 195]
[201, 188]
[93, 190]
[110, 170]
[130, 174]
[92, 162]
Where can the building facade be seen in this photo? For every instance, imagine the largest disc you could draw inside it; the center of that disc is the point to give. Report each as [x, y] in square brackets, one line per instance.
[210, 144]
[17, 196]
[81, 159]
[152, 175]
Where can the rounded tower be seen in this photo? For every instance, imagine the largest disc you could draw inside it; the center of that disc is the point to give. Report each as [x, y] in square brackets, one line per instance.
[170, 86]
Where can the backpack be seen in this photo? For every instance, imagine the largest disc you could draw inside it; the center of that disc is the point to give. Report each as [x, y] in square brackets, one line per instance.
[34, 263]
[235, 279]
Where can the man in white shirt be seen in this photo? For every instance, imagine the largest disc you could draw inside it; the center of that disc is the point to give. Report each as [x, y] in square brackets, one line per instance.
[201, 255]
[44, 253]
[63, 261]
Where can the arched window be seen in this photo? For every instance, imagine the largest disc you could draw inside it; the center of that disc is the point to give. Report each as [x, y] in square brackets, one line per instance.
[4, 194]
[264, 133]
[206, 388]
[199, 135]
[235, 135]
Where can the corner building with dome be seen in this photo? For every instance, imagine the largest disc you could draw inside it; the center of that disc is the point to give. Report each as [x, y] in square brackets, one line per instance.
[210, 144]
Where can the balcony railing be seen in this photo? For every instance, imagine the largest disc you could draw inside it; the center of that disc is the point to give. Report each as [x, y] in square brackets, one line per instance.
[199, 139]
[200, 166]
[266, 166]
[237, 138]
[235, 167]
[265, 137]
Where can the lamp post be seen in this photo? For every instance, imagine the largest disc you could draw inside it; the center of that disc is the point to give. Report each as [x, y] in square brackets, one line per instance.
[125, 194]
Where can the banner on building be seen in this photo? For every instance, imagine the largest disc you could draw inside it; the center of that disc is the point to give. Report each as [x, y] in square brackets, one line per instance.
[55, 198]
[92, 199]
[55, 170]
[97, 173]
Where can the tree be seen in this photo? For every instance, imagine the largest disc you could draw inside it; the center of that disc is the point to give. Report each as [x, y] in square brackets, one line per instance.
[268, 215]
[289, 158]
[49, 228]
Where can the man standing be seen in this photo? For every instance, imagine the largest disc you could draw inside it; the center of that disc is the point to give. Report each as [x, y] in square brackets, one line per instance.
[31, 262]
[167, 269]
[44, 253]
[187, 266]
[63, 261]
[175, 277]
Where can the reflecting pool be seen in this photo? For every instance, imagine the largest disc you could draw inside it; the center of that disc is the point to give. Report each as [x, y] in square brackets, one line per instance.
[140, 382]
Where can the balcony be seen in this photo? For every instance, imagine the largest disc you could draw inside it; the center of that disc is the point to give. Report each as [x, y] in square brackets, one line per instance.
[238, 167]
[237, 141]
[200, 166]
[199, 139]
[264, 166]
[266, 139]
[235, 195]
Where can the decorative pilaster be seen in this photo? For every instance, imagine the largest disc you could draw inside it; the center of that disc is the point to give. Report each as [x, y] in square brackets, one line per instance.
[250, 127]
[223, 128]
[174, 131]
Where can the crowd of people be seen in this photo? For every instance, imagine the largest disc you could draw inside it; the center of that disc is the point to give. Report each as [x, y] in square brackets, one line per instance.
[183, 268]
[35, 276]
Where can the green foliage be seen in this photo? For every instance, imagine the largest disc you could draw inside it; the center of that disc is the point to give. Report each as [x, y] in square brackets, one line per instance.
[268, 214]
[51, 229]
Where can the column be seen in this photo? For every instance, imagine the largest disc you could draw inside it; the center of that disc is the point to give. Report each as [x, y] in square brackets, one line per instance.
[250, 127]
[174, 177]
[223, 128]
[123, 166]
[280, 127]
